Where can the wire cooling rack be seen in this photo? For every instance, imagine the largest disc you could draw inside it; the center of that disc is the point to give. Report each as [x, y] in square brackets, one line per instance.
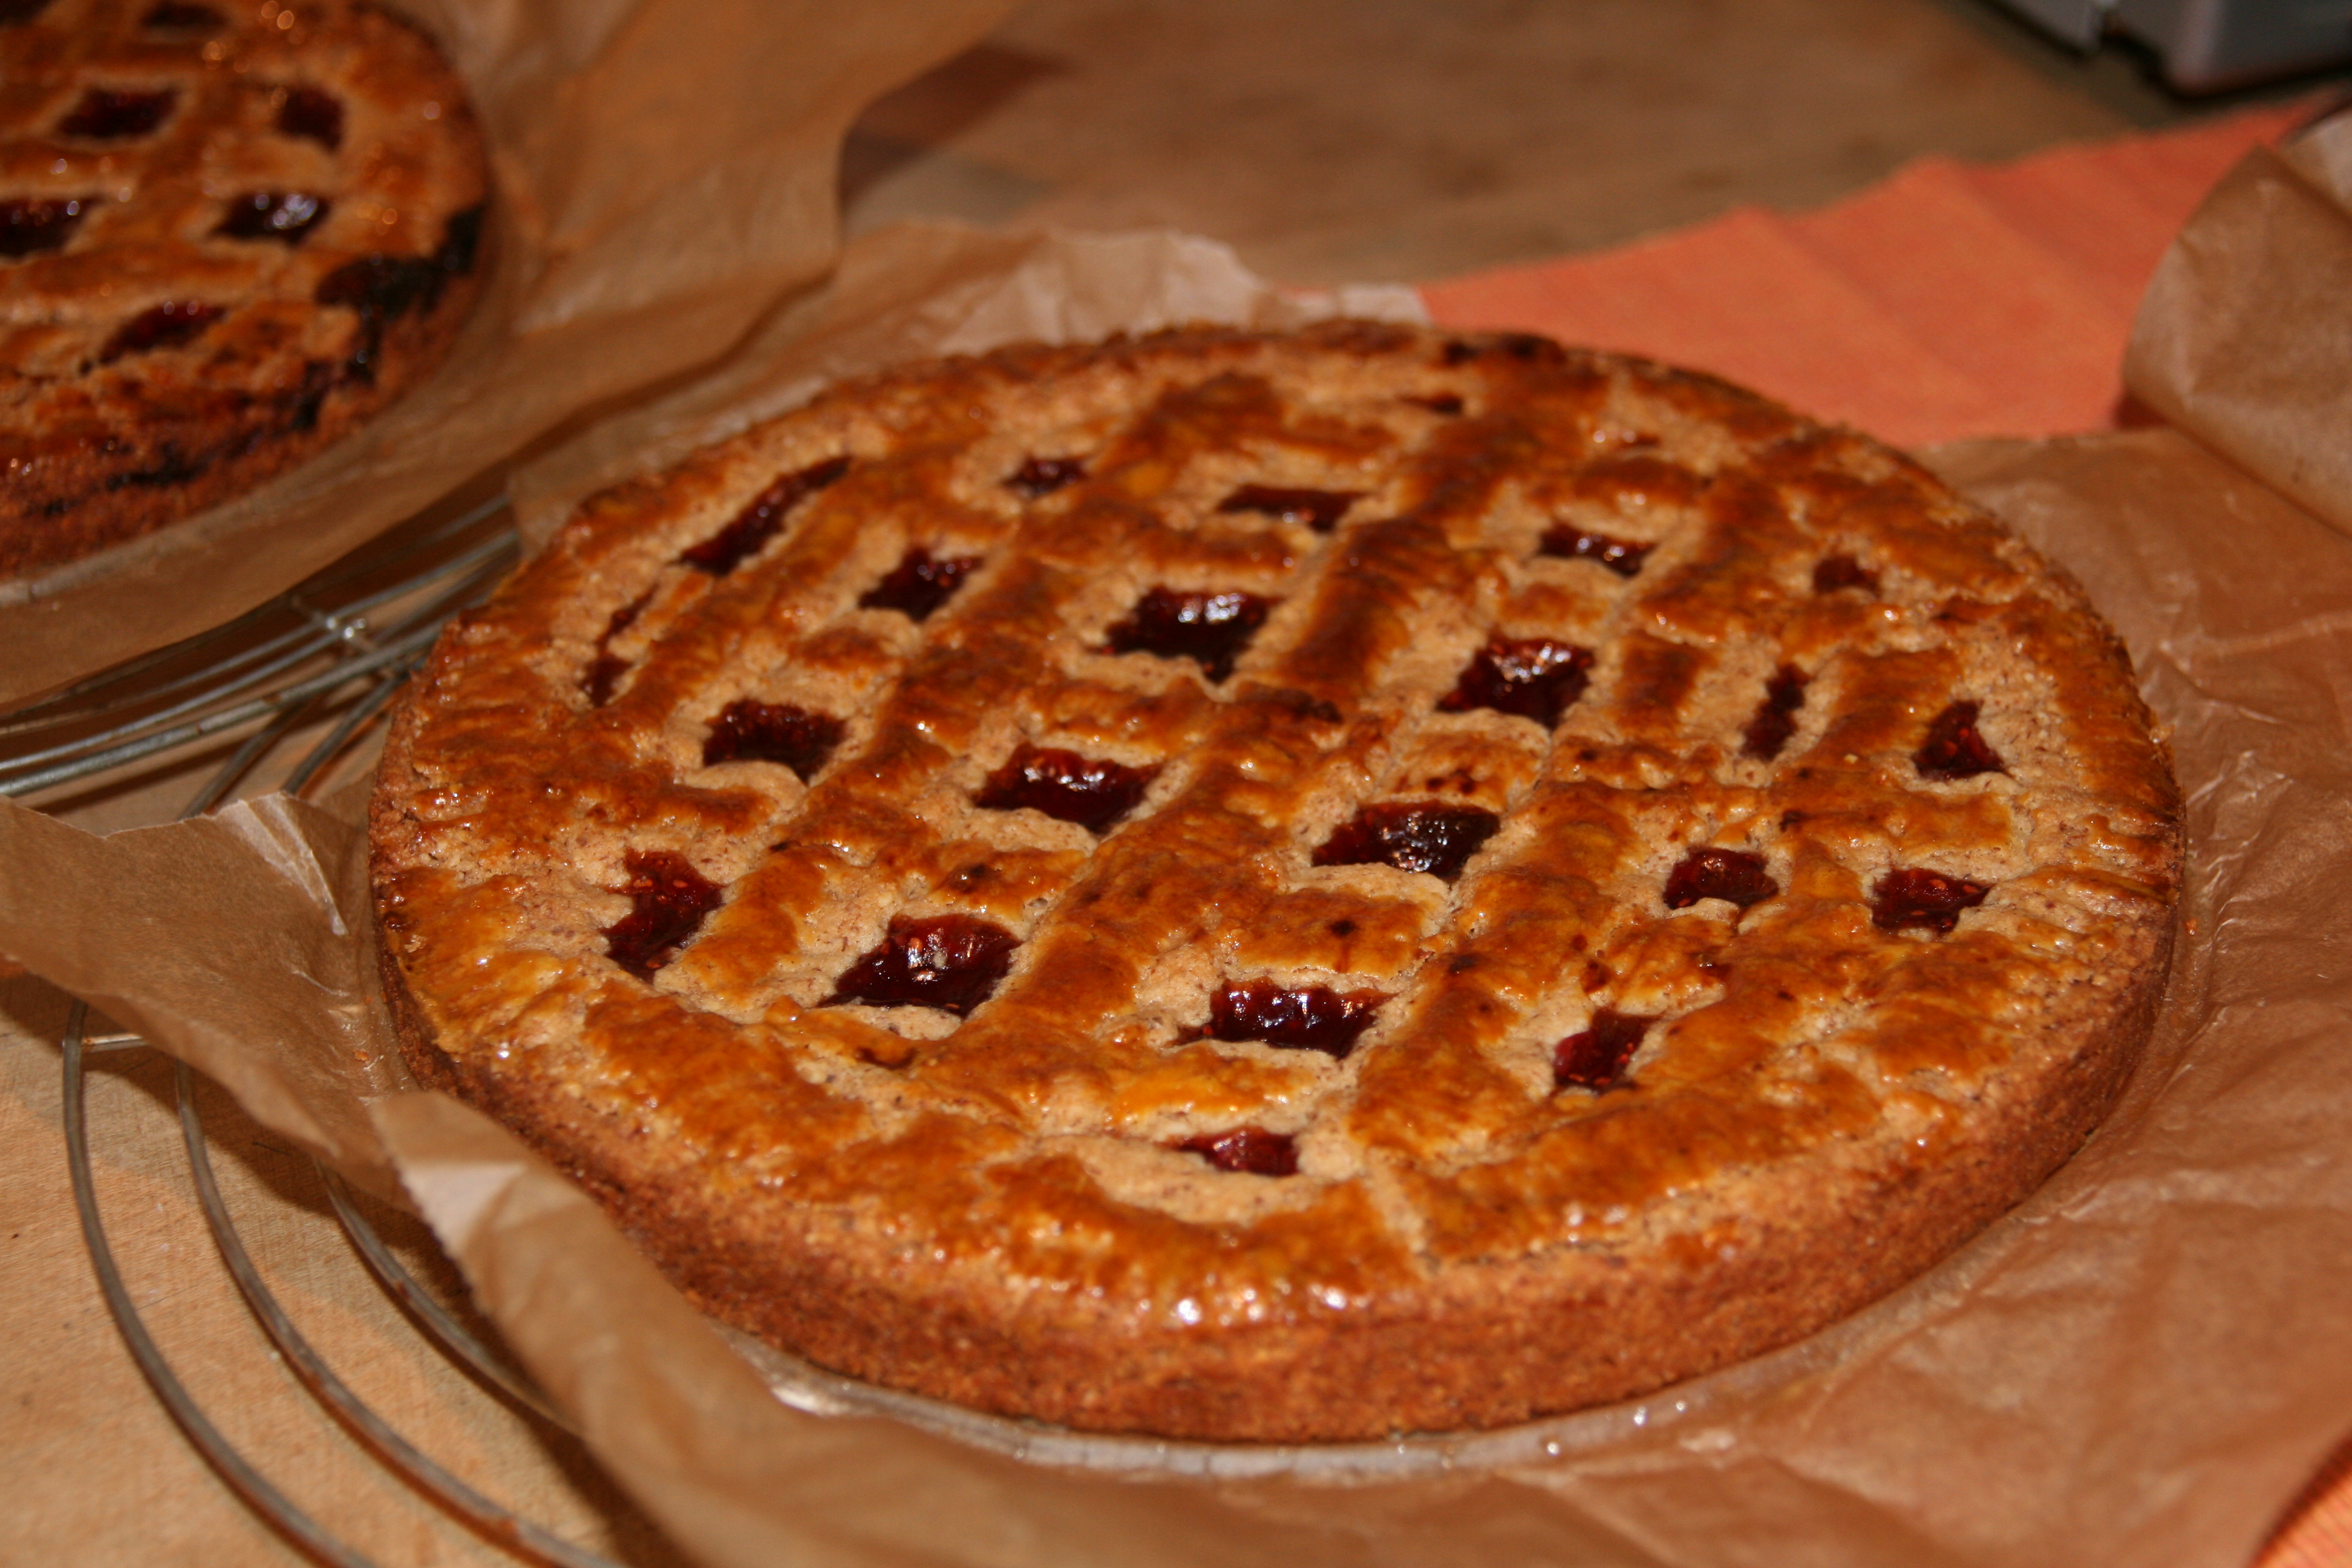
[328, 655]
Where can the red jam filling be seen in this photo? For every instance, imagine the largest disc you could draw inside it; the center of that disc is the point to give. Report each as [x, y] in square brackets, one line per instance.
[1208, 628]
[27, 228]
[1915, 899]
[1043, 475]
[1535, 678]
[951, 963]
[1622, 556]
[920, 584]
[1953, 750]
[758, 523]
[1835, 571]
[311, 114]
[1317, 1018]
[1595, 1057]
[1438, 403]
[1066, 786]
[1318, 510]
[282, 216]
[1731, 874]
[605, 671]
[161, 327]
[1437, 839]
[106, 115]
[1252, 1150]
[1776, 716]
[670, 898]
[747, 729]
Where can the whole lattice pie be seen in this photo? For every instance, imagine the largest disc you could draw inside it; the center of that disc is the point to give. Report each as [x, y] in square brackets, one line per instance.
[229, 232]
[1284, 886]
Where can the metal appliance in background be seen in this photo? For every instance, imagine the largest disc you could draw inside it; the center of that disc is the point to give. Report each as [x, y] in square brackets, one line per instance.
[2209, 45]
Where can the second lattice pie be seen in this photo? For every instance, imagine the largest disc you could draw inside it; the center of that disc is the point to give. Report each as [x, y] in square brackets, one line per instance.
[1283, 888]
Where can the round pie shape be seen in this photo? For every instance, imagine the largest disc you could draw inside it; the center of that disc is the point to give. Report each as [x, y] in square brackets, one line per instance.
[229, 233]
[1283, 887]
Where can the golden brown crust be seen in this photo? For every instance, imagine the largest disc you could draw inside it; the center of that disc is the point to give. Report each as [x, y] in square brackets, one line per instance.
[1019, 1208]
[224, 244]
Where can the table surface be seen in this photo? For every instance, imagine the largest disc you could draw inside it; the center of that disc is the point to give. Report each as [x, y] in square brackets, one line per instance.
[1637, 173]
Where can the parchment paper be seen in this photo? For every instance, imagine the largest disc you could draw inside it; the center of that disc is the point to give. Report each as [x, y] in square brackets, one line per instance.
[2244, 339]
[663, 171]
[2139, 1366]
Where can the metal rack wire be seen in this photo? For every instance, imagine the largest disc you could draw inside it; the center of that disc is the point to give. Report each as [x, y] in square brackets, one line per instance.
[333, 651]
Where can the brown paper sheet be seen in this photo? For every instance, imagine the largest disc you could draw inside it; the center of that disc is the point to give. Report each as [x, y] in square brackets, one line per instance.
[2244, 338]
[2140, 1367]
[663, 171]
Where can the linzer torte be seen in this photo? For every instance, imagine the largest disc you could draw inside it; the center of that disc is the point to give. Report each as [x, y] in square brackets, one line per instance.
[229, 232]
[1283, 888]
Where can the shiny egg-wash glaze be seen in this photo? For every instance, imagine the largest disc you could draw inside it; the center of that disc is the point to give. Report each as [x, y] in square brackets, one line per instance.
[1651, 874]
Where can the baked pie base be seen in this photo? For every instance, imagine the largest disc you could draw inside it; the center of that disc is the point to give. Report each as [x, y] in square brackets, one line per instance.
[1283, 888]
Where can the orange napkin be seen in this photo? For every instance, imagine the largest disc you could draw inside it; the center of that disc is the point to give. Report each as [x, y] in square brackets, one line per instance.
[1950, 300]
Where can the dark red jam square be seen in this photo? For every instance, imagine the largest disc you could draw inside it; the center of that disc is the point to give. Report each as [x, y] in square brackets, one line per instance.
[1411, 837]
[1953, 750]
[670, 900]
[1209, 627]
[159, 327]
[1041, 477]
[30, 226]
[1595, 1057]
[951, 963]
[1318, 510]
[1776, 716]
[1835, 571]
[282, 216]
[919, 584]
[1913, 898]
[759, 521]
[1064, 786]
[1534, 678]
[1622, 556]
[1316, 1018]
[1731, 874]
[313, 115]
[106, 114]
[747, 729]
[1252, 1149]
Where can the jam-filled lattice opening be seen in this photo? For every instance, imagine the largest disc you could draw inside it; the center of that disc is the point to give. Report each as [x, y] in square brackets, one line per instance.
[1832, 573]
[1735, 875]
[1037, 478]
[112, 114]
[1534, 678]
[761, 518]
[312, 116]
[1209, 627]
[163, 326]
[1776, 715]
[1622, 556]
[1411, 836]
[1250, 1149]
[1308, 1019]
[669, 900]
[920, 584]
[1320, 510]
[951, 963]
[287, 216]
[28, 227]
[1092, 791]
[1596, 1056]
[1954, 749]
[747, 729]
[1912, 897]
